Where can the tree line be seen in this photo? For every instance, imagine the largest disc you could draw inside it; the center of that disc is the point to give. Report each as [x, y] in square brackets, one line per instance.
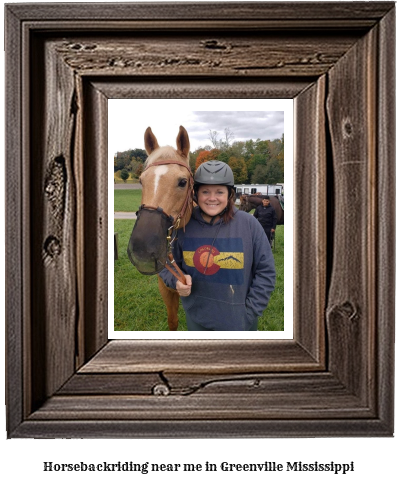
[130, 162]
[252, 161]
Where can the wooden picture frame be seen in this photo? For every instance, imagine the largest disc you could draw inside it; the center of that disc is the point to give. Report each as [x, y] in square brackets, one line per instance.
[335, 378]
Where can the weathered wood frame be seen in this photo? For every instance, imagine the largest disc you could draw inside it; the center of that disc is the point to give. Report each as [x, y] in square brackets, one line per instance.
[63, 62]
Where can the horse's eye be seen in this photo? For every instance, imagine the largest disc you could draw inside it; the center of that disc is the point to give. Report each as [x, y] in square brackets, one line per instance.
[182, 183]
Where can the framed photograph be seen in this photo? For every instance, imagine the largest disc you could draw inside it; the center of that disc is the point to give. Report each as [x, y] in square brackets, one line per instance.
[65, 377]
[255, 137]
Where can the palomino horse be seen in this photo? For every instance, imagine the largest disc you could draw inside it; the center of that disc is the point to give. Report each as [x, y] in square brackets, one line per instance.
[166, 206]
[250, 201]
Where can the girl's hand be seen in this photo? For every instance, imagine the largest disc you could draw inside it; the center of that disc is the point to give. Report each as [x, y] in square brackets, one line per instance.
[184, 289]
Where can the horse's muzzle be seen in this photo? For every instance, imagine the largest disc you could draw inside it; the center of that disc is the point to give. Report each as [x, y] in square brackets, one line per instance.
[147, 248]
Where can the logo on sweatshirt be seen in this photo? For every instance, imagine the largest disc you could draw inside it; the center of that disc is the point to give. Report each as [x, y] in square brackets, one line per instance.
[224, 259]
[204, 260]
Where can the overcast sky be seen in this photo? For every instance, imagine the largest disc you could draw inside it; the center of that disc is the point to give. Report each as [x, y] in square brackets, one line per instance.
[247, 119]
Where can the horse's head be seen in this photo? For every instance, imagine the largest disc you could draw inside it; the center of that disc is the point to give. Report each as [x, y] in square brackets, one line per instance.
[244, 204]
[166, 201]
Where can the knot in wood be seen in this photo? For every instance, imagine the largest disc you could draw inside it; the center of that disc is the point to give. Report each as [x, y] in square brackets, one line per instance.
[90, 47]
[213, 44]
[50, 189]
[161, 390]
[51, 249]
[349, 310]
[347, 128]
[54, 186]
[52, 246]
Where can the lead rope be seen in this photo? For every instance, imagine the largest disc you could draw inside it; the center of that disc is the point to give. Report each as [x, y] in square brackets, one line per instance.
[175, 270]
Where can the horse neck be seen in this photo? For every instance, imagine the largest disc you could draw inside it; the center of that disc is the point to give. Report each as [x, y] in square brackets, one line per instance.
[253, 202]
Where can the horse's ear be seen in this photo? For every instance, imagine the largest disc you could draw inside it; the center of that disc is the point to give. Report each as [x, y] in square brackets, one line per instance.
[183, 142]
[150, 141]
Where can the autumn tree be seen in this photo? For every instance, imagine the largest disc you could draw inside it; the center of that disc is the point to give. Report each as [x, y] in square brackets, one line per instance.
[206, 155]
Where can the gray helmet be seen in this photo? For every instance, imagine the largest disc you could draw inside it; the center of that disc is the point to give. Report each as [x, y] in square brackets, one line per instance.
[214, 172]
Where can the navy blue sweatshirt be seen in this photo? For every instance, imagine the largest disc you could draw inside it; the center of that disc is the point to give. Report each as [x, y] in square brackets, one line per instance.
[239, 274]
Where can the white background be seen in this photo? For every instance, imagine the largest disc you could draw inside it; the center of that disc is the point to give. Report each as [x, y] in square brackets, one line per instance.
[376, 460]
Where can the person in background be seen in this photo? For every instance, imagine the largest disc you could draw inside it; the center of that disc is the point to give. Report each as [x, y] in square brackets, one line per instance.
[267, 217]
[223, 252]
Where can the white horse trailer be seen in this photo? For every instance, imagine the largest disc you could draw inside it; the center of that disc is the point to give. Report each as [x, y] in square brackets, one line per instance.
[271, 189]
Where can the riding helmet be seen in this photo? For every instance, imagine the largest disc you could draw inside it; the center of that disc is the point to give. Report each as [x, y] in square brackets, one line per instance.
[214, 172]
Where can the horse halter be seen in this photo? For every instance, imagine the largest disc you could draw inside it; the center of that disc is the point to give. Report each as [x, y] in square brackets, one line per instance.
[174, 223]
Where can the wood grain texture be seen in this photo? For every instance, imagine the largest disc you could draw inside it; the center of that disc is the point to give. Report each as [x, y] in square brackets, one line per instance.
[95, 228]
[335, 376]
[194, 87]
[360, 13]
[192, 428]
[385, 270]
[247, 406]
[53, 210]
[200, 356]
[16, 243]
[351, 109]
[250, 54]
[310, 226]
[185, 384]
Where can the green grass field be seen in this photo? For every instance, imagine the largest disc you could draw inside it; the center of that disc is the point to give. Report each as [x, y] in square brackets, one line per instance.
[138, 306]
[127, 199]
